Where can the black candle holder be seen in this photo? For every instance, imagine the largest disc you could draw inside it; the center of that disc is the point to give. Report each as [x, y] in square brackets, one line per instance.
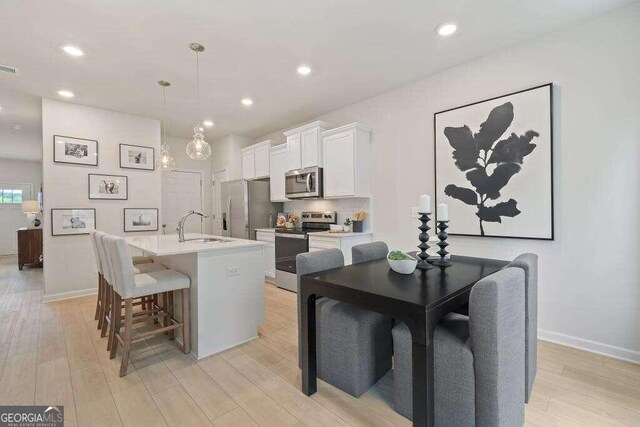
[424, 238]
[442, 236]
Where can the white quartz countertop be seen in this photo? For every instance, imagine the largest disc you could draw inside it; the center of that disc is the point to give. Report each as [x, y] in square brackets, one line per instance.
[162, 245]
[266, 230]
[339, 235]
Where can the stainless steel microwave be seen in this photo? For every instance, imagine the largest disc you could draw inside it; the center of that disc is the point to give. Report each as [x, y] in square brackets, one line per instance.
[303, 183]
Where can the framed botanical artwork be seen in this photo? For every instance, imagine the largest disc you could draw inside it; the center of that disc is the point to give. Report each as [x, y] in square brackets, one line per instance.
[137, 157]
[72, 222]
[494, 165]
[140, 219]
[75, 151]
[108, 187]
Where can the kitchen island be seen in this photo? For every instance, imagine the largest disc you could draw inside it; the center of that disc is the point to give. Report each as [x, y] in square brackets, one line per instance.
[227, 286]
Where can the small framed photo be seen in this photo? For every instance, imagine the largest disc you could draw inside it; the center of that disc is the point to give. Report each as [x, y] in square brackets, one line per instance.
[108, 187]
[71, 222]
[137, 157]
[136, 219]
[75, 151]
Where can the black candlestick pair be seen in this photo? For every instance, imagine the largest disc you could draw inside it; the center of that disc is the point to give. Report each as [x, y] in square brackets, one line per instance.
[424, 228]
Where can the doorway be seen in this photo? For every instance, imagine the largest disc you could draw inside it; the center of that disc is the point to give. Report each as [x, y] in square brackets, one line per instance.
[11, 216]
[181, 193]
[218, 178]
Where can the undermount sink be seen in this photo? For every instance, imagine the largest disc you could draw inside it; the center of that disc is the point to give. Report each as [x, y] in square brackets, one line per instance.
[208, 240]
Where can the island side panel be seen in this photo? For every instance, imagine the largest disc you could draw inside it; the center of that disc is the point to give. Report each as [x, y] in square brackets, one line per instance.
[185, 264]
[230, 298]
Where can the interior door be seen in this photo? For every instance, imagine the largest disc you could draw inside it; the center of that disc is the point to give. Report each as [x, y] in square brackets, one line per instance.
[181, 193]
[218, 178]
[11, 216]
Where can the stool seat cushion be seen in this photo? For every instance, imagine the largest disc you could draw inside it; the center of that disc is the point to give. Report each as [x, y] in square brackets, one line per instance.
[148, 267]
[141, 260]
[155, 282]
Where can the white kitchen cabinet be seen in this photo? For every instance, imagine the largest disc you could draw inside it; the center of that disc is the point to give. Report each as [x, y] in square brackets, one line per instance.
[304, 145]
[255, 160]
[268, 236]
[347, 162]
[278, 165]
[344, 242]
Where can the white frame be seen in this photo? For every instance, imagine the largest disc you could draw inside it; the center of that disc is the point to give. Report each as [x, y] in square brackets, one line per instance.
[57, 229]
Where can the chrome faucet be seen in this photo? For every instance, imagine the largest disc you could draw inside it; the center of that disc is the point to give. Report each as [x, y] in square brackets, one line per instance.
[180, 228]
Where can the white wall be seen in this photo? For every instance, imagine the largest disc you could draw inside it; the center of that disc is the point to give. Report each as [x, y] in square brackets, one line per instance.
[226, 153]
[23, 171]
[69, 261]
[184, 162]
[589, 289]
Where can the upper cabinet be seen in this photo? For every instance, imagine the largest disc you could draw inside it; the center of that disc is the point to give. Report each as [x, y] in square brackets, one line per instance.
[347, 161]
[304, 146]
[278, 164]
[255, 160]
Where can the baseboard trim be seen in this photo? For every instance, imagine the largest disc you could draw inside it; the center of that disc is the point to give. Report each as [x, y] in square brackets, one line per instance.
[69, 295]
[625, 354]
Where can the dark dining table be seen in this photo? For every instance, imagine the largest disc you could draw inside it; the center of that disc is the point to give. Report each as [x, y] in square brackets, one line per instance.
[419, 300]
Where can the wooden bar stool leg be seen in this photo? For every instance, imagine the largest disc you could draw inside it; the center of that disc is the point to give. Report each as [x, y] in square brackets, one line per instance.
[128, 331]
[154, 304]
[106, 310]
[186, 321]
[172, 333]
[99, 301]
[165, 305]
[116, 312]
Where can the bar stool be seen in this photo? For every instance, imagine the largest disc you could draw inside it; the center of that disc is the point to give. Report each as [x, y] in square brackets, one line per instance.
[127, 285]
[101, 308]
[105, 266]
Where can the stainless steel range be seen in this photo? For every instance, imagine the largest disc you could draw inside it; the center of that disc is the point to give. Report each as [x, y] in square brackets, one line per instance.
[291, 242]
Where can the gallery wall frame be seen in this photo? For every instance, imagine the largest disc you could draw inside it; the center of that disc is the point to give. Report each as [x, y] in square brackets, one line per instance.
[75, 151]
[99, 191]
[140, 219]
[61, 221]
[137, 157]
[511, 150]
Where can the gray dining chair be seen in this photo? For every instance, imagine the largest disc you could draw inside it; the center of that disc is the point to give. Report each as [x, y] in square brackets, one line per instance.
[529, 263]
[369, 252]
[353, 345]
[478, 360]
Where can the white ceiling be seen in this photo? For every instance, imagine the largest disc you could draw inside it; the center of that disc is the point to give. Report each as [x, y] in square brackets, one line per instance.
[357, 49]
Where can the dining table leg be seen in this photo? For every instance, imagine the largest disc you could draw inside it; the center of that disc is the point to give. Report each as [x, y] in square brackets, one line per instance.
[423, 376]
[308, 321]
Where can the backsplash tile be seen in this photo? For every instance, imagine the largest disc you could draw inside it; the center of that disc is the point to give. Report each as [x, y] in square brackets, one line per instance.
[345, 208]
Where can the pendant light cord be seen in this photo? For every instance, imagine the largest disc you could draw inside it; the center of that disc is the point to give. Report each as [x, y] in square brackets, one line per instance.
[164, 114]
[198, 86]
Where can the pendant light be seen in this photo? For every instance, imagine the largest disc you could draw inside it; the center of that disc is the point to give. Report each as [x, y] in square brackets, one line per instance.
[166, 163]
[198, 149]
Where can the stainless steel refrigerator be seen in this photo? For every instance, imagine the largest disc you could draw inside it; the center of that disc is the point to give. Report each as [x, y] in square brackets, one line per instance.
[246, 205]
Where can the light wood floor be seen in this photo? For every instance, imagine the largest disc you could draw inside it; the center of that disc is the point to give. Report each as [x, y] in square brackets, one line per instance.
[52, 354]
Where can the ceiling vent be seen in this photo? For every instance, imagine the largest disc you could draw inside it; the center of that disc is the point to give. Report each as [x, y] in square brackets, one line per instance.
[9, 70]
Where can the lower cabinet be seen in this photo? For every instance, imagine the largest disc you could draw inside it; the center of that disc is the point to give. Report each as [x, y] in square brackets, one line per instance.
[269, 254]
[337, 241]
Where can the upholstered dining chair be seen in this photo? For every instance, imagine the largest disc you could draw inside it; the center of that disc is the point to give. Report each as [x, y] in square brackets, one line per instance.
[369, 252]
[529, 263]
[478, 360]
[128, 285]
[353, 345]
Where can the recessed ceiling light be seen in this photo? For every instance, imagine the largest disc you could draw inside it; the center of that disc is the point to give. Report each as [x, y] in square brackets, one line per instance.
[65, 93]
[208, 123]
[17, 126]
[247, 102]
[446, 29]
[72, 50]
[304, 70]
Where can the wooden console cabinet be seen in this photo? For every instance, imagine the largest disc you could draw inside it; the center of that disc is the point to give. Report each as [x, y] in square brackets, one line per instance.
[29, 246]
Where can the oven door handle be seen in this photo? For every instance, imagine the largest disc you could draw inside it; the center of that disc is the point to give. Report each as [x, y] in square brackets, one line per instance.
[293, 236]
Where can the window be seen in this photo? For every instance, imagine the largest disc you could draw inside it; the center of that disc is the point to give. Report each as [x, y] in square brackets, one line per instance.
[8, 195]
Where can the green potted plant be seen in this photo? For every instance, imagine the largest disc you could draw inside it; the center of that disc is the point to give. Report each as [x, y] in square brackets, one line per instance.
[347, 225]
